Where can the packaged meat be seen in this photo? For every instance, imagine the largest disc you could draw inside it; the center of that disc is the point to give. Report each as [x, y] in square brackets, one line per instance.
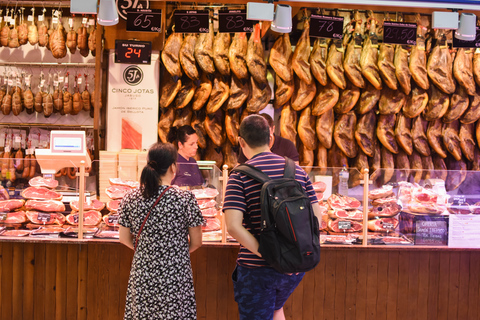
[93, 205]
[10, 205]
[209, 213]
[121, 182]
[50, 231]
[45, 205]
[384, 201]
[107, 234]
[206, 203]
[88, 232]
[40, 193]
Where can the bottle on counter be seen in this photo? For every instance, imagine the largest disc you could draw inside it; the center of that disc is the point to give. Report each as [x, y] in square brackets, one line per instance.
[343, 184]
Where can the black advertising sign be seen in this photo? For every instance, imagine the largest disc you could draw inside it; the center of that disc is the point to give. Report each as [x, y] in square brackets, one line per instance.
[144, 20]
[234, 21]
[399, 33]
[133, 52]
[192, 21]
[432, 232]
[457, 43]
[326, 26]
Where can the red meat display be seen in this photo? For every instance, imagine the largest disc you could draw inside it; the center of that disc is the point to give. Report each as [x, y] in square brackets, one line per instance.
[319, 186]
[206, 193]
[209, 212]
[40, 193]
[15, 217]
[10, 205]
[346, 214]
[42, 182]
[45, 205]
[344, 226]
[383, 192]
[338, 201]
[45, 217]
[383, 224]
[94, 205]
[117, 191]
[385, 210]
[126, 183]
[111, 220]
[206, 203]
[90, 218]
[211, 224]
[112, 205]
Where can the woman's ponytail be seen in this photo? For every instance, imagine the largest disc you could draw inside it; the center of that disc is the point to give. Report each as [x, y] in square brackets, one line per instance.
[160, 157]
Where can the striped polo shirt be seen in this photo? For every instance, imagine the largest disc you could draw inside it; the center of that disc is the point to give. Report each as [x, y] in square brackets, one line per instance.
[243, 193]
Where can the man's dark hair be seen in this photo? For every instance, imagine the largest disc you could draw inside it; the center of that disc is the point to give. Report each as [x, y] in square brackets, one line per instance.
[268, 118]
[255, 130]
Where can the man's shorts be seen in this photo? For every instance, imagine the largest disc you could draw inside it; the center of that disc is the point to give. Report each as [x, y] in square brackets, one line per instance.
[260, 291]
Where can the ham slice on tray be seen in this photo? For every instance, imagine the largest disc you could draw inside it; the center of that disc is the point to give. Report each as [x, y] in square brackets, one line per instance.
[10, 205]
[45, 205]
[117, 192]
[211, 224]
[45, 217]
[383, 224]
[344, 226]
[42, 182]
[112, 205]
[94, 205]
[385, 210]
[15, 233]
[90, 218]
[15, 217]
[206, 193]
[209, 213]
[338, 201]
[383, 192]
[346, 214]
[206, 203]
[121, 182]
[40, 193]
[319, 186]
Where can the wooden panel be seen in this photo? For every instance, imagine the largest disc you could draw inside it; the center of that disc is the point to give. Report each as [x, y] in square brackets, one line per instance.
[372, 283]
[392, 291]
[453, 278]
[351, 284]
[341, 277]
[433, 285]
[382, 286]
[474, 287]
[72, 282]
[17, 280]
[463, 285]
[28, 280]
[7, 271]
[422, 290]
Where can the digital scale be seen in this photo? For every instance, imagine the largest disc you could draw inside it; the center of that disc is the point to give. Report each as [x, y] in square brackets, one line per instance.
[67, 149]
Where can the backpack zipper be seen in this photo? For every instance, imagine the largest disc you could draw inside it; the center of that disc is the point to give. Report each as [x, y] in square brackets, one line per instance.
[291, 225]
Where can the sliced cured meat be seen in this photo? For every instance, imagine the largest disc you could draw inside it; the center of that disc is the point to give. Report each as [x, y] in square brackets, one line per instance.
[318, 60]
[386, 133]
[383, 225]
[420, 141]
[279, 58]
[205, 193]
[45, 205]
[10, 205]
[348, 98]
[122, 182]
[42, 182]
[403, 133]
[206, 203]
[209, 212]
[90, 218]
[389, 209]
[383, 192]
[93, 205]
[384, 201]
[113, 205]
[346, 214]
[416, 102]
[45, 217]
[117, 192]
[300, 59]
[319, 186]
[435, 138]
[402, 72]
[326, 98]
[458, 105]
[211, 224]
[344, 134]
[111, 220]
[338, 201]
[324, 128]
[46, 231]
[15, 218]
[15, 233]
[40, 193]
[344, 226]
[237, 54]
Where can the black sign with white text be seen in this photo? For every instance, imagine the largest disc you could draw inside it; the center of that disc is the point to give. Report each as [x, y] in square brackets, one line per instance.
[234, 21]
[144, 20]
[326, 26]
[399, 33]
[192, 21]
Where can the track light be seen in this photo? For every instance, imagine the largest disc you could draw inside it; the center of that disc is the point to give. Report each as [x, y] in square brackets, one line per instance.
[107, 13]
[283, 19]
[467, 27]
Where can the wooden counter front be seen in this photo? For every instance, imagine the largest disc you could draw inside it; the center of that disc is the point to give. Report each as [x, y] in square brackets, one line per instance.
[88, 280]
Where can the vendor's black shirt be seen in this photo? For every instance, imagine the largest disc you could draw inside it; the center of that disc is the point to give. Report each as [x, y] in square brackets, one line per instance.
[281, 146]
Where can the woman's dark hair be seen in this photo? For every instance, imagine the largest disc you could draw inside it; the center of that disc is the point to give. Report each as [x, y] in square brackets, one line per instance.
[160, 157]
[255, 130]
[179, 134]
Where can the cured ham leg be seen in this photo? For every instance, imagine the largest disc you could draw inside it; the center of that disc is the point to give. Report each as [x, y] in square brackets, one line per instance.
[452, 140]
[186, 57]
[435, 138]
[386, 133]
[368, 99]
[260, 95]
[335, 68]
[472, 113]
[203, 51]
[348, 99]
[202, 93]
[221, 45]
[324, 128]
[351, 64]
[416, 102]
[386, 66]
[239, 91]
[344, 134]
[403, 133]
[237, 54]
[255, 59]
[369, 57]
[219, 94]
[288, 123]
[325, 99]
[365, 133]
[306, 129]
[279, 58]
[318, 60]
[437, 104]
[402, 71]
[391, 101]
[300, 59]
[283, 91]
[458, 104]
[170, 54]
[303, 94]
[439, 65]
[420, 141]
[463, 69]
[467, 140]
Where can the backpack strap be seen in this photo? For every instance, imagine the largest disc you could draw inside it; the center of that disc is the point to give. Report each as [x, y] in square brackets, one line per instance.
[290, 168]
[253, 172]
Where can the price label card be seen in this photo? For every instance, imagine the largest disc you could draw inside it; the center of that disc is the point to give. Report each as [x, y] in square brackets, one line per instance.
[91, 22]
[234, 21]
[10, 82]
[55, 83]
[17, 138]
[457, 43]
[113, 219]
[399, 33]
[60, 79]
[192, 21]
[30, 17]
[42, 82]
[41, 17]
[344, 225]
[388, 226]
[84, 20]
[27, 81]
[144, 20]
[3, 216]
[458, 200]
[54, 20]
[326, 26]
[79, 80]
[44, 217]
[70, 22]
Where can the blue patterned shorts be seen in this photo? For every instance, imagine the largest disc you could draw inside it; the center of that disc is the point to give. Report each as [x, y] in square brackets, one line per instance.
[261, 291]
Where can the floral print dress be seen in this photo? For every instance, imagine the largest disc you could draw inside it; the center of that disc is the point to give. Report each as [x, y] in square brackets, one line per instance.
[161, 281]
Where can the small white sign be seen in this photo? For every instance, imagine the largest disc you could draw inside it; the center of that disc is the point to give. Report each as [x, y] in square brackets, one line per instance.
[463, 231]
[328, 181]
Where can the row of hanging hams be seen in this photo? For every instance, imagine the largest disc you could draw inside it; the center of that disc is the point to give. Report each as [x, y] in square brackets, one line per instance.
[48, 99]
[18, 32]
[376, 105]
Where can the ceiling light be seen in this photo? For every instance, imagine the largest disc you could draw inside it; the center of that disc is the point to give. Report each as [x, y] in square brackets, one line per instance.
[107, 13]
[467, 28]
[283, 19]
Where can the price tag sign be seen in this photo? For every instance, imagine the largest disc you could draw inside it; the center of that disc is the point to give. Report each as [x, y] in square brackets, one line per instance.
[344, 225]
[75, 218]
[388, 226]
[433, 232]
[44, 217]
[458, 200]
[41, 18]
[144, 20]
[234, 21]
[399, 33]
[192, 21]
[3, 216]
[91, 22]
[84, 20]
[457, 43]
[30, 17]
[133, 52]
[113, 219]
[326, 26]
[54, 20]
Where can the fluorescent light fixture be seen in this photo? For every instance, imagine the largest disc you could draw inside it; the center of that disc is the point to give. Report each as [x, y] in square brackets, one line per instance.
[283, 19]
[107, 13]
[260, 11]
[467, 28]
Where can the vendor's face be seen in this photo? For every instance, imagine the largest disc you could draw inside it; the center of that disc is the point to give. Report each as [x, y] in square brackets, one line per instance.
[189, 148]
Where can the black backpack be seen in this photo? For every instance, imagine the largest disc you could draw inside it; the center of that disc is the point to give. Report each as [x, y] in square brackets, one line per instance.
[289, 236]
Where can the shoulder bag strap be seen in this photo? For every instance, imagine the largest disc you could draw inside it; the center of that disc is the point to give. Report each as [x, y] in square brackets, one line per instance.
[148, 214]
[290, 168]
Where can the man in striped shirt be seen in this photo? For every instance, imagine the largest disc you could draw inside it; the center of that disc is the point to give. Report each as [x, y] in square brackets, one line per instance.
[260, 291]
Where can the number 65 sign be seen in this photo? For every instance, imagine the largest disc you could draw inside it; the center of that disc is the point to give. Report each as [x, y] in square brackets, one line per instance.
[144, 20]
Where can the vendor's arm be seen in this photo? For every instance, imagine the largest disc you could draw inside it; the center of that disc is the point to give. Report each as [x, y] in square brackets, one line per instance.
[317, 211]
[195, 234]
[126, 237]
[233, 220]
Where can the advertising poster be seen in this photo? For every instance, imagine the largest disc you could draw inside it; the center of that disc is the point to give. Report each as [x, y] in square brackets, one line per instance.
[132, 107]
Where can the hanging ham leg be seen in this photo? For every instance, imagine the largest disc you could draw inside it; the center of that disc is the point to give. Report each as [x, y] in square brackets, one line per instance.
[221, 45]
[402, 163]
[260, 95]
[351, 63]
[168, 90]
[255, 57]
[391, 101]
[368, 99]
[288, 123]
[386, 66]
[435, 138]
[219, 94]
[334, 63]
[279, 58]
[197, 123]
[203, 51]
[463, 69]
[476, 65]
[344, 134]
[472, 113]
[439, 65]
[306, 129]
[170, 54]
[458, 104]
[386, 133]
[300, 63]
[232, 125]
[166, 120]
[451, 139]
[388, 164]
[187, 60]
[324, 128]
[237, 54]
[403, 134]
[467, 140]
[283, 91]
[318, 60]
[418, 58]
[437, 104]
[369, 57]
[365, 133]
[416, 102]
[420, 141]
[239, 91]
[348, 99]
[402, 71]
[303, 94]
[214, 127]
[325, 99]
[202, 93]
